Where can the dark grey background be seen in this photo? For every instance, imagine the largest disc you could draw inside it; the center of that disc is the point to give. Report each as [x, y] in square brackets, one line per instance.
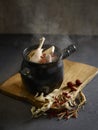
[16, 115]
[49, 16]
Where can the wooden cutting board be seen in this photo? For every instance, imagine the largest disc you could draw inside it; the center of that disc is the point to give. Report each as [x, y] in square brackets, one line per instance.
[14, 86]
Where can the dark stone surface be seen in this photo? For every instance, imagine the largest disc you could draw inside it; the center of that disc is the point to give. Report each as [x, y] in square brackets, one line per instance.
[16, 115]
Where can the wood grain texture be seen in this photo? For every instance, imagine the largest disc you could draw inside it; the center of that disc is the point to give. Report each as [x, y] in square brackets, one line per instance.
[14, 86]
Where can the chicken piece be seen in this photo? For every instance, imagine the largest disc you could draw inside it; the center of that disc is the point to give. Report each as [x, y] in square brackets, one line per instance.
[38, 53]
[49, 50]
[49, 58]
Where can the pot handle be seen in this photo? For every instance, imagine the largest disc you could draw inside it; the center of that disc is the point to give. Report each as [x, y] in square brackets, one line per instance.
[69, 50]
[25, 72]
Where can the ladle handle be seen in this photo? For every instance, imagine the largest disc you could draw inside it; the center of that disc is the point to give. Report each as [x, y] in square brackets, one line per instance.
[69, 50]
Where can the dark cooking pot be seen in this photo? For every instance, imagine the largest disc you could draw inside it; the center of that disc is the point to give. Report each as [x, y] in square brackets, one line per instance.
[44, 77]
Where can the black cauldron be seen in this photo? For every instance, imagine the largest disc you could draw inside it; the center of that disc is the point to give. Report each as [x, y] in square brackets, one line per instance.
[44, 77]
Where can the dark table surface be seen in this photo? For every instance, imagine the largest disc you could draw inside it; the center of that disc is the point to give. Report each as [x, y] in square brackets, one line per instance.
[16, 115]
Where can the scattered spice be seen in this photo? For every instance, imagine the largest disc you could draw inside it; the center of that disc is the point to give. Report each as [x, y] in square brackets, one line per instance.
[70, 84]
[78, 82]
[73, 86]
[63, 106]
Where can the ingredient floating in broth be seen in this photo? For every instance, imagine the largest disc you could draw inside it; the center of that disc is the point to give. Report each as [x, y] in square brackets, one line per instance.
[42, 56]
